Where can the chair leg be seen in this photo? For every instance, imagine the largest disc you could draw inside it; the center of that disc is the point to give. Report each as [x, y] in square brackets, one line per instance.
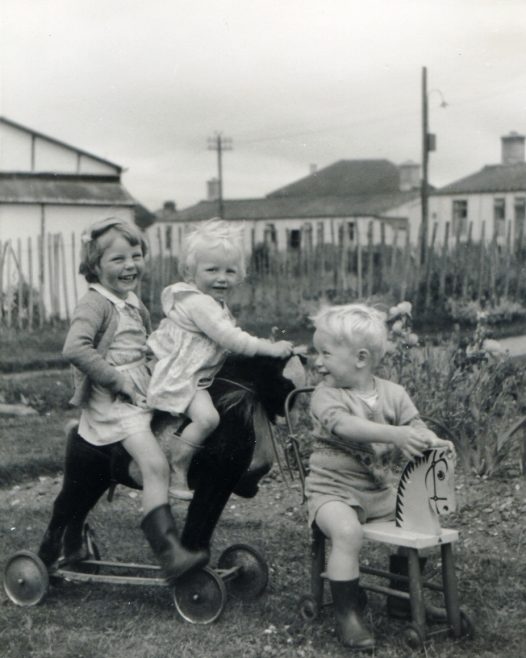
[416, 590]
[449, 580]
[317, 565]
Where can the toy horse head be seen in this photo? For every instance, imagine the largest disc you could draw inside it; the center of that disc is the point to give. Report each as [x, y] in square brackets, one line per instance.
[426, 489]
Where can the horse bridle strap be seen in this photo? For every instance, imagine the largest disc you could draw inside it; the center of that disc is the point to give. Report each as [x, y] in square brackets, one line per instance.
[238, 384]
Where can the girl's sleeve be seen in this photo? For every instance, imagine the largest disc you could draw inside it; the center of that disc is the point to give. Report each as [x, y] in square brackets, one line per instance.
[209, 318]
[79, 348]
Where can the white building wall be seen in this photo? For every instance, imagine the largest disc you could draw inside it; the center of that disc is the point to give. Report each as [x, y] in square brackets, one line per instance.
[480, 209]
[16, 151]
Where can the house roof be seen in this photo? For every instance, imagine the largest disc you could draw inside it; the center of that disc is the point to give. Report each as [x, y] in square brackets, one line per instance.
[357, 205]
[344, 178]
[52, 140]
[491, 178]
[63, 189]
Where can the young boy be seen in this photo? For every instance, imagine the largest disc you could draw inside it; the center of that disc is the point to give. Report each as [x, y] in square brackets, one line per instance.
[359, 420]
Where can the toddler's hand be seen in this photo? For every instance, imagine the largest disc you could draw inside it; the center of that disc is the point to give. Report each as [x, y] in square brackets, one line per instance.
[413, 441]
[129, 394]
[443, 443]
[281, 349]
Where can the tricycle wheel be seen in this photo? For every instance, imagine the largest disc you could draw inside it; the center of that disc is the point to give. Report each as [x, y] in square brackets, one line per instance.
[200, 597]
[26, 579]
[251, 578]
[308, 608]
[413, 637]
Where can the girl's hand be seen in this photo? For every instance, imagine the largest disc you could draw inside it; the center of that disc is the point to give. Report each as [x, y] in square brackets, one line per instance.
[129, 394]
[281, 349]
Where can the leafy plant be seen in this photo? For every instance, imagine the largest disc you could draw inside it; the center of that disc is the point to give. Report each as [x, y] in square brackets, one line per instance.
[467, 387]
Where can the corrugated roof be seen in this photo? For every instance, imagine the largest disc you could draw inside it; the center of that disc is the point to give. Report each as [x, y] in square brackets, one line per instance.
[60, 189]
[358, 205]
[344, 178]
[492, 178]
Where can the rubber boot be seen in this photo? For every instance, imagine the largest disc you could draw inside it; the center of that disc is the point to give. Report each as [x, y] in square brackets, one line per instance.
[351, 629]
[400, 608]
[160, 531]
[51, 545]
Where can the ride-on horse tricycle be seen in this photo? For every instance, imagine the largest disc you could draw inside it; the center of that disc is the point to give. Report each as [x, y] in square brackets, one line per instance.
[425, 490]
[249, 393]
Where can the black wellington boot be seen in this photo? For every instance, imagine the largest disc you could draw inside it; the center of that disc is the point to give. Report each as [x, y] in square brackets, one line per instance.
[51, 545]
[352, 631]
[160, 531]
[398, 564]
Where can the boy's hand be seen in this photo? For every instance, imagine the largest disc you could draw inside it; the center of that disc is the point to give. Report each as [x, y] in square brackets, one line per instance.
[281, 349]
[413, 441]
[443, 443]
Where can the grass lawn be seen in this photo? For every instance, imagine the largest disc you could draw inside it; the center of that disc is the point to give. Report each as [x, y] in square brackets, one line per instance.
[97, 621]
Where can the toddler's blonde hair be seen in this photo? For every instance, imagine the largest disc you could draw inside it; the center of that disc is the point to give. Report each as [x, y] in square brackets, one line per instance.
[355, 324]
[215, 233]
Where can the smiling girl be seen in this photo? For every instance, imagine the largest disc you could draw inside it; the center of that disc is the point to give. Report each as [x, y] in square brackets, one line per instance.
[193, 339]
[106, 344]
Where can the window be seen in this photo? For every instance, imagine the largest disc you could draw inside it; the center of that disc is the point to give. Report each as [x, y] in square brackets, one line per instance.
[350, 227]
[295, 238]
[460, 217]
[519, 208]
[499, 216]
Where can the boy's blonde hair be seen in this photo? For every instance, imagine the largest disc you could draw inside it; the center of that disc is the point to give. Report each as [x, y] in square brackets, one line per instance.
[92, 246]
[215, 233]
[355, 324]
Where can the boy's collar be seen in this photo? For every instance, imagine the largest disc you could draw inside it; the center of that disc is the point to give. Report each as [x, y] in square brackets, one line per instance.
[131, 299]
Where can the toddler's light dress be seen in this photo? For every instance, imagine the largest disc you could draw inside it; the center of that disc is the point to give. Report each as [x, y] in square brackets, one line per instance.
[189, 354]
[106, 418]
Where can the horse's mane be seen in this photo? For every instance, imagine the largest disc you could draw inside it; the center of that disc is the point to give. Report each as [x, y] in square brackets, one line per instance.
[406, 474]
[236, 398]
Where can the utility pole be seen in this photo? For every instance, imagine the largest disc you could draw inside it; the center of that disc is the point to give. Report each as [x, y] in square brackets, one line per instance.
[220, 144]
[425, 159]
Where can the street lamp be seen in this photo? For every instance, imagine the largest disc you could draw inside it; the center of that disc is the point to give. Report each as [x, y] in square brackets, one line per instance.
[428, 145]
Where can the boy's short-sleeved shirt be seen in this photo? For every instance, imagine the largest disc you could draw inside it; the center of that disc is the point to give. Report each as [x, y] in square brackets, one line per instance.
[392, 406]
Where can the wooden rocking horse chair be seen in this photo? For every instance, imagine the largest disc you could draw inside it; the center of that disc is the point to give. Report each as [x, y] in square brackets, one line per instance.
[425, 490]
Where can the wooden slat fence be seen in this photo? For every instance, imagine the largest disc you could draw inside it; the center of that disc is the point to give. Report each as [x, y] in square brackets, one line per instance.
[38, 284]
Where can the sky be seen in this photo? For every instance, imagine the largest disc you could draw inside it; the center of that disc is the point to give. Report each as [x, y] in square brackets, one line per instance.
[292, 83]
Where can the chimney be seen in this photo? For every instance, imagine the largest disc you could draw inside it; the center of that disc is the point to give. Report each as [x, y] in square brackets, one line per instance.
[169, 206]
[212, 189]
[409, 176]
[512, 148]
[313, 168]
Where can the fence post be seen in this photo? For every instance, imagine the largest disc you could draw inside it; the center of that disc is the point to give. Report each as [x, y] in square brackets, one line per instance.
[41, 305]
[443, 268]
[31, 300]
[64, 276]
[482, 249]
[9, 313]
[74, 266]
[507, 261]
[407, 264]
[20, 283]
[466, 262]
[359, 261]
[370, 259]
[429, 264]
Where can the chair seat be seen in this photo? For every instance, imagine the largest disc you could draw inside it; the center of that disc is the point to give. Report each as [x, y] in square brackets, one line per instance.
[388, 533]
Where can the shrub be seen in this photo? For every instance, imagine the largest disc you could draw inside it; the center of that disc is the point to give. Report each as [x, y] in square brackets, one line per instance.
[467, 387]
